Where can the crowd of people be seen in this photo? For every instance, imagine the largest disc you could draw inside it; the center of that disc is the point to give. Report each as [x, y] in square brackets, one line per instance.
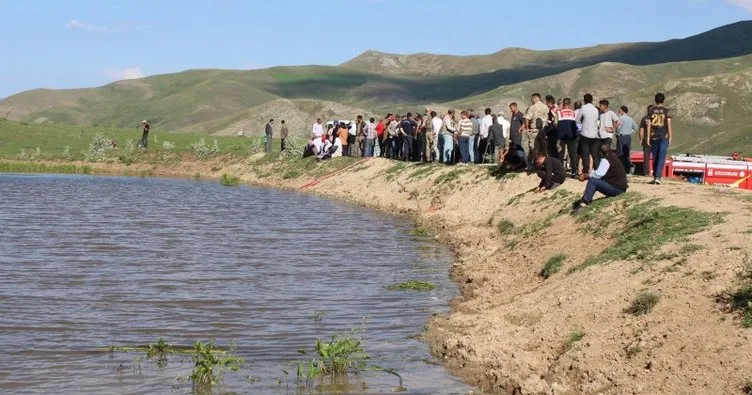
[557, 139]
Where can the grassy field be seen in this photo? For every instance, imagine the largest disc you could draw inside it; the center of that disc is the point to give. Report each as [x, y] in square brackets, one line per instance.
[49, 142]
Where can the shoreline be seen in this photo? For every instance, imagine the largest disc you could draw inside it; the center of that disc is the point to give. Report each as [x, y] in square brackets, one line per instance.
[509, 330]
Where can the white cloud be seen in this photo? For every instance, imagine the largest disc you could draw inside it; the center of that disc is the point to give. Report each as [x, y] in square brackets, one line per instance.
[89, 27]
[746, 4]
[128, 73]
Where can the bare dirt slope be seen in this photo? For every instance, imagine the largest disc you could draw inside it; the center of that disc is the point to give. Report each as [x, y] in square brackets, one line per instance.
[511, 330]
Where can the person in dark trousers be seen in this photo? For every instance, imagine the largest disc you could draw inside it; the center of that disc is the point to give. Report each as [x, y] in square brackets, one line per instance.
[268, 133]
[283, 134]
[408, 126]
[659, 132]
[624, 134]
[145, 135]
[566, 133]
[551, 172]
[644, 140]
[610, 178]
[550, 134]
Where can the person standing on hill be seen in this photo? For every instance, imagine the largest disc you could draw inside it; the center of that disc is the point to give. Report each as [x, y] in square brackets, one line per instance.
[318, 130]
[588, 118]
[437, 143]
[283, 135]
[474, 137]
[550, 138]
[370, 136]
[566, 133]
[344, 137]
[485, 127]
[660, 132]
[645, 142]
[498, 134]
[609, 178]
[144, 135]
[357, 148]
[429, 136]
[448, 133]
[608, 123]
[465, 132]
[408, 126]
[268, 134]
[378, 149]
[535, 119]
[516, 124]
[624, 133]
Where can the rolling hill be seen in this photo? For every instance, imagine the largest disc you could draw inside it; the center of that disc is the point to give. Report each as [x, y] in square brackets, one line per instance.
[706, 78]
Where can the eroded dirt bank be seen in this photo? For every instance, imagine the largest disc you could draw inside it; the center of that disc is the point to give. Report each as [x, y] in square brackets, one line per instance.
[514, 331]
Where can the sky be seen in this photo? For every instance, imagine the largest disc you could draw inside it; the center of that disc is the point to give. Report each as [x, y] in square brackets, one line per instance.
[85, 43]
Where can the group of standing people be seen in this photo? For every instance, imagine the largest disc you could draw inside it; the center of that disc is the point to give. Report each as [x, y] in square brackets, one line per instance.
[588, 132]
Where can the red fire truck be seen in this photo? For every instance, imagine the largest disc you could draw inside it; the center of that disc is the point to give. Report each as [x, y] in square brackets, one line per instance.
[732, 171]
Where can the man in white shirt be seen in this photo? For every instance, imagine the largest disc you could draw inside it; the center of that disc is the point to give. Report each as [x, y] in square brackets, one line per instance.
[483, 145]
[609, 122]
[318, 129]
[437, 124]
[589, 141]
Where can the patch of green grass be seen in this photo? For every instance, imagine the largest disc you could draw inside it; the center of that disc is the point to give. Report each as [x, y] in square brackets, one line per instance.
[35, 167]
[553, 266]
[632, 351]
[740, 301]
[643, 303]
[229, 180]
[573, 338]
[690, 248]
[648, 227]
[393, 171]
[419, 231]
[505, 227]
[412, 285]
[448, 177]
[514, 200]
[423, 171]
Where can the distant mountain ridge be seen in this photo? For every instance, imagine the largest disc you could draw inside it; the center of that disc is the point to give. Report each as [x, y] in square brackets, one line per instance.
[723, 42]
[228, 101]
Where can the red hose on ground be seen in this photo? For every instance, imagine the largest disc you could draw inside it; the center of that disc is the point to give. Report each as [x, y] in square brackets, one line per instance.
[318, 180]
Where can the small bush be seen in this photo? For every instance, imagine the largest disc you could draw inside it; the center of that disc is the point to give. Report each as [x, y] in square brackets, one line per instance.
[505, 227]
[573, 338]
[643, 303]
[98, 148]
[66, 153]
[412, 285]
[229, 180]
[168, 145]
[202, 150]
[553, 266]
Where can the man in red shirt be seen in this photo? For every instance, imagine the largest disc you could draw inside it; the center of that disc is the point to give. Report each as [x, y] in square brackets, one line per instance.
[380, 127]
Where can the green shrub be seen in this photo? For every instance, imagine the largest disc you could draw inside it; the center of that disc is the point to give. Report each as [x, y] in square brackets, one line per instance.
[643, 303]
[553, 266]
[229, 180]
[412, 285]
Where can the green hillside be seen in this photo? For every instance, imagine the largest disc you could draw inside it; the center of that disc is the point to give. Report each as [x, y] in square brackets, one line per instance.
[225, 102]
[724, 42]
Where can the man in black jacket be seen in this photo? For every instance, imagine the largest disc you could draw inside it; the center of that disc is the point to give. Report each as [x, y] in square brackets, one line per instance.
[610, 178]
[551, 172]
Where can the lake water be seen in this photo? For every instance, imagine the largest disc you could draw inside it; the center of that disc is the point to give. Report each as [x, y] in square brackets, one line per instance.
[90, 262]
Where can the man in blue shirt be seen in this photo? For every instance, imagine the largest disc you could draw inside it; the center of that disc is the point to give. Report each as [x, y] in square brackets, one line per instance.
[624, 133]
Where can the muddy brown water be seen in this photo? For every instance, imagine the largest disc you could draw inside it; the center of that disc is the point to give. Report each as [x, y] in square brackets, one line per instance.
[89, 262]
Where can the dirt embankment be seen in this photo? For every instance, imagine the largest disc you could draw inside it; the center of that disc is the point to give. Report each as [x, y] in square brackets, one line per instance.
[549, 302]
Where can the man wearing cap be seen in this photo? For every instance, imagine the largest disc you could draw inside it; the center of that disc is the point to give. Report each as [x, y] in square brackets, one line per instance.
[145, 136]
